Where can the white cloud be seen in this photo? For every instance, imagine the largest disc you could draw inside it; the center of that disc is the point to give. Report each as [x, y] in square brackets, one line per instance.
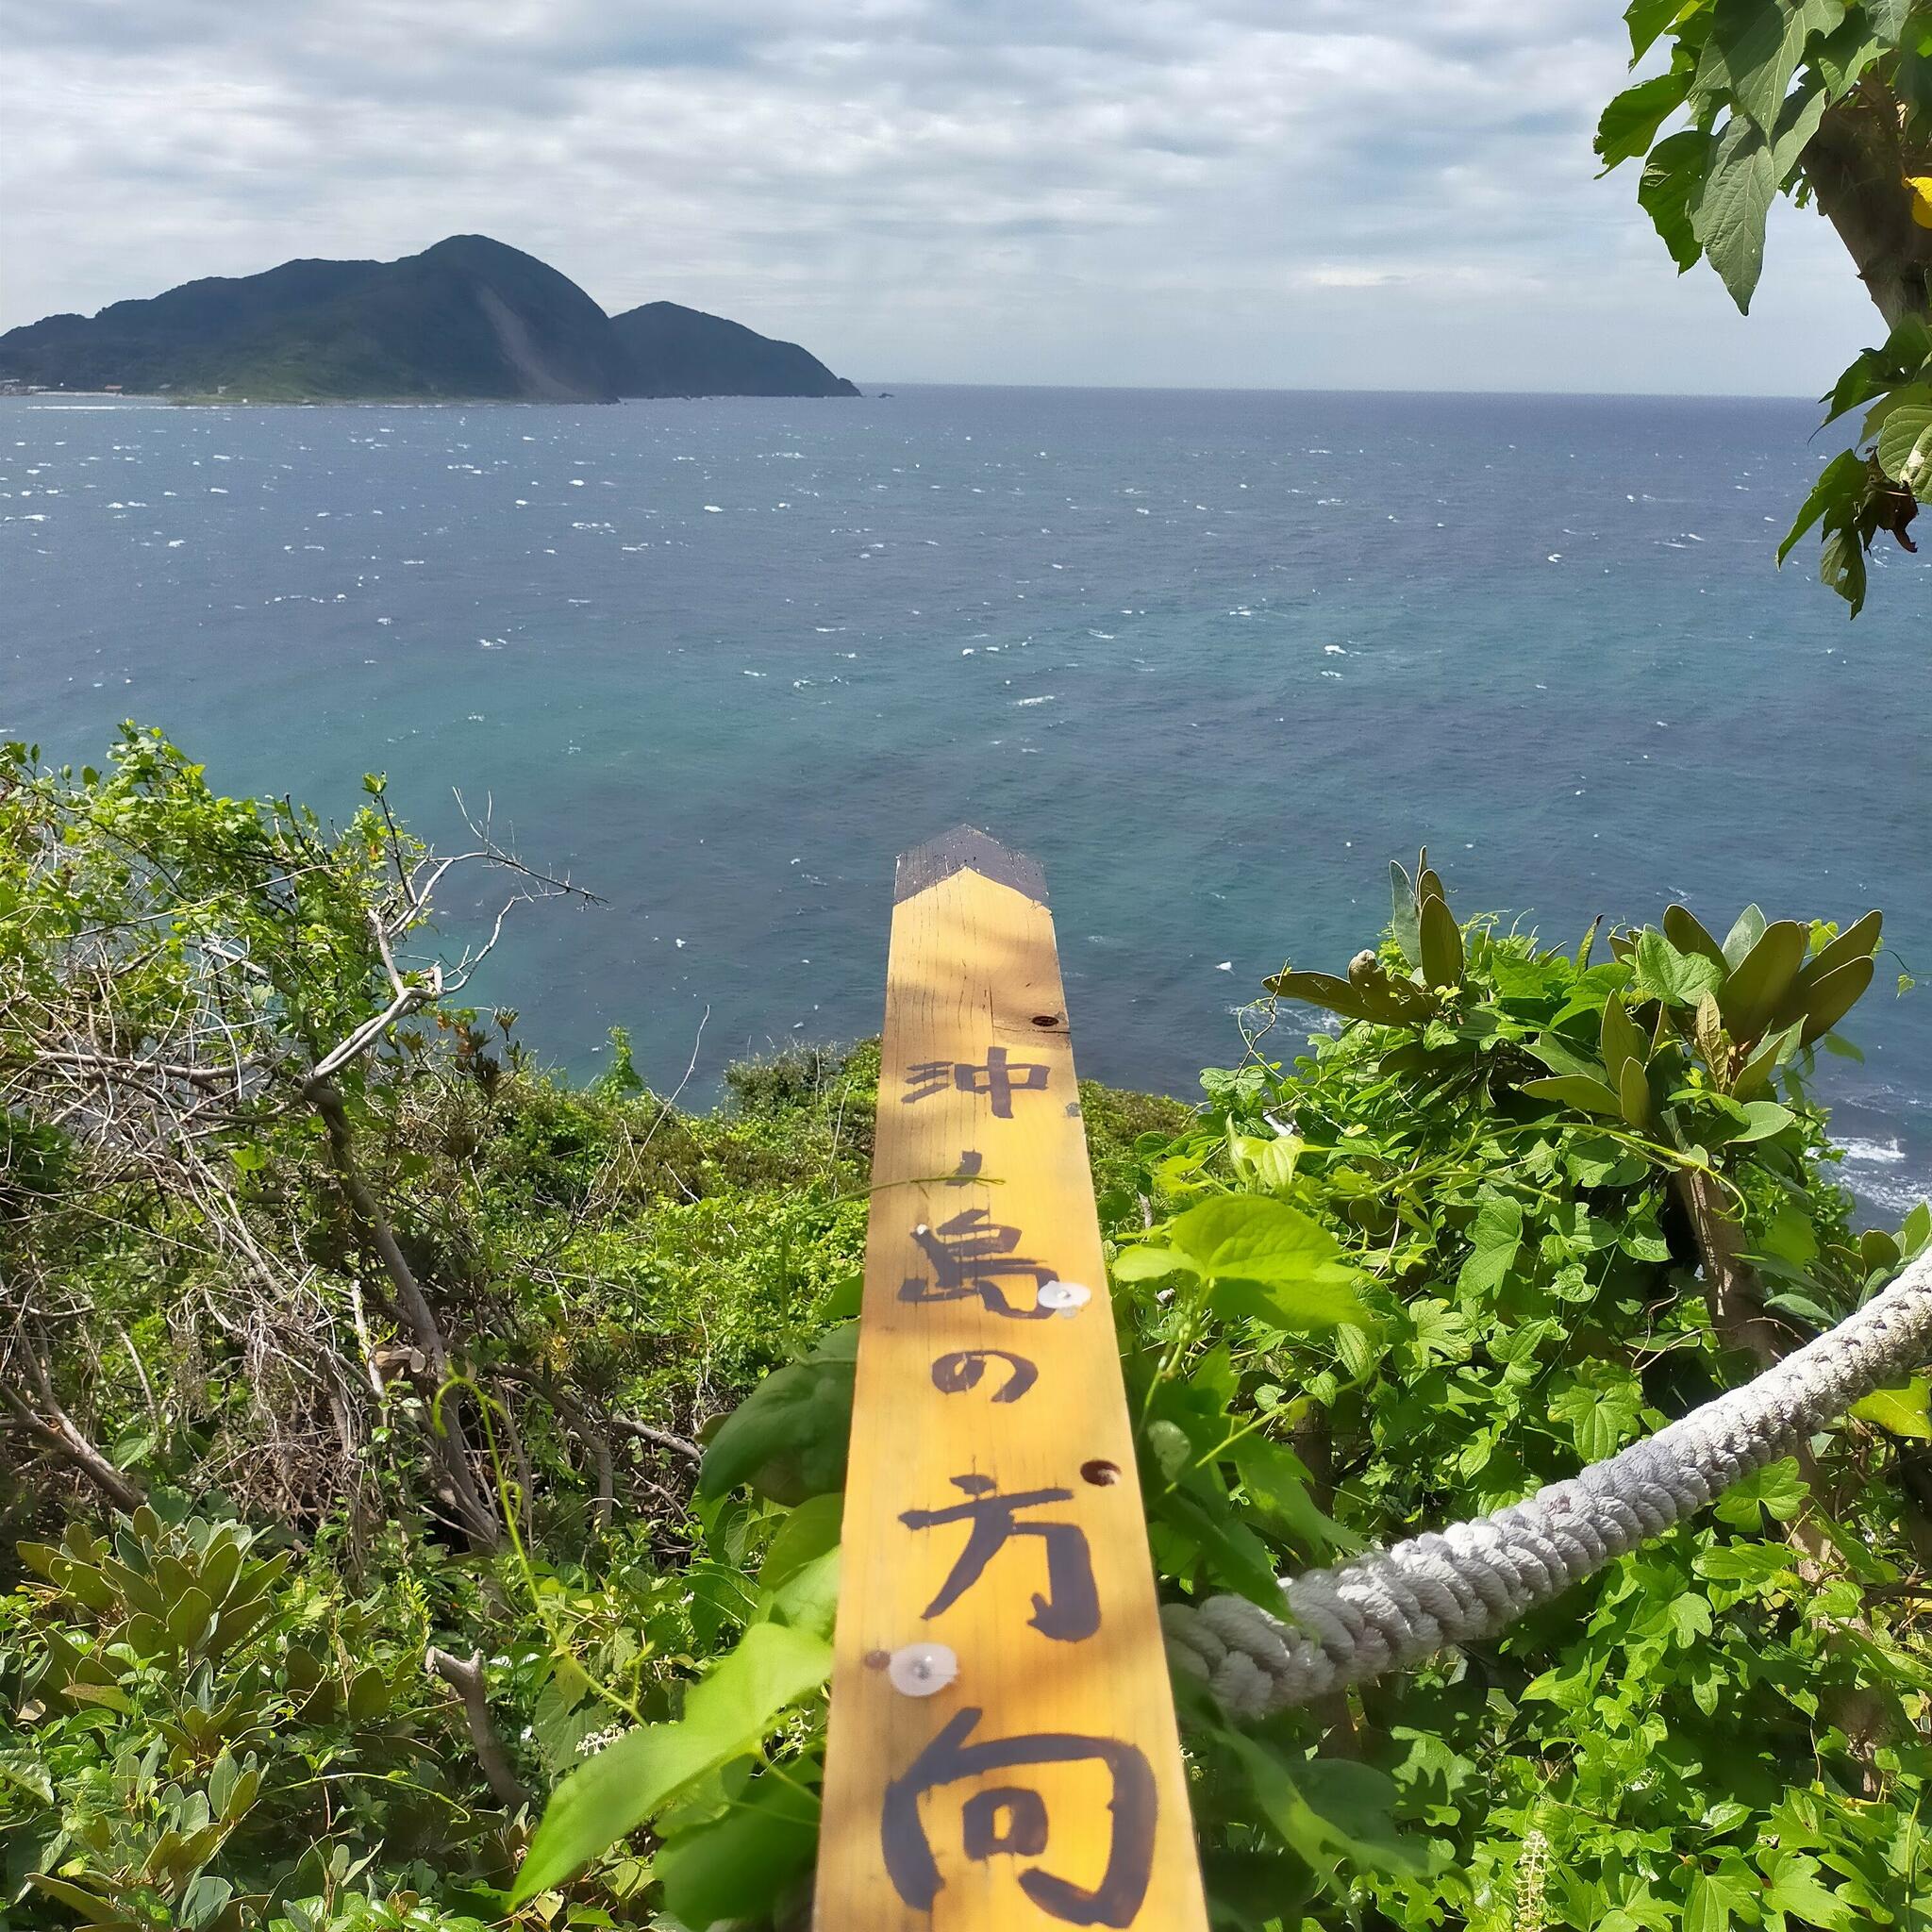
[1159, 190]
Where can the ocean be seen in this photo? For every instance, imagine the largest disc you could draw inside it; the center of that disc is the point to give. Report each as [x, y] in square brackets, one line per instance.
[1213, 658]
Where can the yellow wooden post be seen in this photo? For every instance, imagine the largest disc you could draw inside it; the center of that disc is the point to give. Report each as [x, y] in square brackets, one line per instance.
[1003, 1752]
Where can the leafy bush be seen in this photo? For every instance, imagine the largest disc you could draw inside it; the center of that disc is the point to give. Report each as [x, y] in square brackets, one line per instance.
[1511, 1208]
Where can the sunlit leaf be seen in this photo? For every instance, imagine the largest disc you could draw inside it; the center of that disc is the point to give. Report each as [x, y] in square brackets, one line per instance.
[725, 1716]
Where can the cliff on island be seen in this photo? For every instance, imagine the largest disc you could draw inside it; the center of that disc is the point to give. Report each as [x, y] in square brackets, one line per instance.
[674, 351]
[468, 320]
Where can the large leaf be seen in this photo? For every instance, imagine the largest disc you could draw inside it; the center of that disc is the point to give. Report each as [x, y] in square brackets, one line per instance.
[1905, 444]
[1329, 1810]
[1903, 1411]
[1441, 944]
[790, 1434]
[742, 1865]
[1689, 934]
[1755, 47]
[1269, 1261]
[1578, 1091]
[1858, 940]
[1772, 1052]
[1729, 213]
[1749, 999]
[1623, 1041]
[1235, 1556]
[1673, 175]
[1834, 996]
[1495, 1236]
[1797, 122]
[1633, 1094]
[1746, 930]
[1629, 124]
[1664, 972]
[1835, 496]
[1385, 1007]
[1402, 915]
[1277, 1480]
[1646, 20]
[725, 1716]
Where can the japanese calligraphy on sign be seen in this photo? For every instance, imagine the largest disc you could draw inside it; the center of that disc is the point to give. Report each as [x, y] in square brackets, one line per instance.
[1035, 1779]
[993, 1076]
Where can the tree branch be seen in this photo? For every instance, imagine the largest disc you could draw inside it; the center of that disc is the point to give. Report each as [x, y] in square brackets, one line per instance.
[466, 1679]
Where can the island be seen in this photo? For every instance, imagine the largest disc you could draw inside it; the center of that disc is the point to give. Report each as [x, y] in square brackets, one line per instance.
[469, 319]
[674, 351]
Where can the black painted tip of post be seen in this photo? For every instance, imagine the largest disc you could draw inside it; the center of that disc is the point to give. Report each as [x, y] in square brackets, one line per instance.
[967, 849]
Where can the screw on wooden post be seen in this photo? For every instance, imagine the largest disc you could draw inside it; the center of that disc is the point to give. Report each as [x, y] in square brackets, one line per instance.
[1003, 1752]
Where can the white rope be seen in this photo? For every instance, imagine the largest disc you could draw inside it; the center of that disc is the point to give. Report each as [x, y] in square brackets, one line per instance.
[1390, 1609]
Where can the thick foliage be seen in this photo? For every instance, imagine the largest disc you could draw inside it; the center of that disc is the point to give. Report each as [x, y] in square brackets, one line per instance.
[1522, 1207]
[1826, 101]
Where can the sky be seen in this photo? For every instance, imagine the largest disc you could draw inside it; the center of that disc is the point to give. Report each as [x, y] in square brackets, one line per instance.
[1265, 193]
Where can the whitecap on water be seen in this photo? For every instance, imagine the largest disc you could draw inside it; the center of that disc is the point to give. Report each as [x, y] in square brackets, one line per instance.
[1884, 1153]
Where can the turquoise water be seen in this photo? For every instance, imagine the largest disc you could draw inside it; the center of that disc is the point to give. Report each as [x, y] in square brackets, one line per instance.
[1213, 658]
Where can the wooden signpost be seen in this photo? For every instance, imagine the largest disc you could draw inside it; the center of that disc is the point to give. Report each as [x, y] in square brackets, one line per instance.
[1003, 1754]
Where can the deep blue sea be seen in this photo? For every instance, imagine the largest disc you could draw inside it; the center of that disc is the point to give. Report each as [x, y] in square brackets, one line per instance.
[1214, 658]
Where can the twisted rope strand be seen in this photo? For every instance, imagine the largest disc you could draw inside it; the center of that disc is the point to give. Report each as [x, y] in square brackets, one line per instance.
[1389, 1611]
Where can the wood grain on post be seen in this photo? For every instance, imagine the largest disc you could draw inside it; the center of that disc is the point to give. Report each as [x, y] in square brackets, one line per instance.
[1003, 1753]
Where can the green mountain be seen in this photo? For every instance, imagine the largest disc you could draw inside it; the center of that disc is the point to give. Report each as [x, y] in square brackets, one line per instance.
[674, 351]
[469, 319]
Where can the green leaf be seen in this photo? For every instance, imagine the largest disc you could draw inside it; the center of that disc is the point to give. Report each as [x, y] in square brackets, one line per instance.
[1623, 1041]
[1601, 1410]
[1665, 973]
[1235, 1555]
[1441, 944]
[1688, 1616]
[1836, 495]
[1797, 122]
[808, 1533]
[1858, 940]
[1271, 1260]
[1381, 1004]
[1794, 1887]
[1906, 1411]
[1148, 1261]
[1746, 930]
[1276, 1481]
[1732, 204]
[1841, 566]
[1646, 20]
[1915, 1230]
[1770, 1054]
[1714, 1897]
[1494, 1235]
[1629, 124]
[1673, 177]
[1689, 934]
[1778, 1490]
[742, 1866]
[1763, 1118]
[1749, 999]
[725, 1716]
[1402, 919]
[790, 1434]
[1329, 1810]
[1755, 47]
[1841, 58]
[1633, 1094]
[1904, 446]
[1578, 1091]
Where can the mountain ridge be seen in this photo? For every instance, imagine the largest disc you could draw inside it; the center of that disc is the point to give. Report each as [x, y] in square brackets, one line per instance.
[469, 319]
